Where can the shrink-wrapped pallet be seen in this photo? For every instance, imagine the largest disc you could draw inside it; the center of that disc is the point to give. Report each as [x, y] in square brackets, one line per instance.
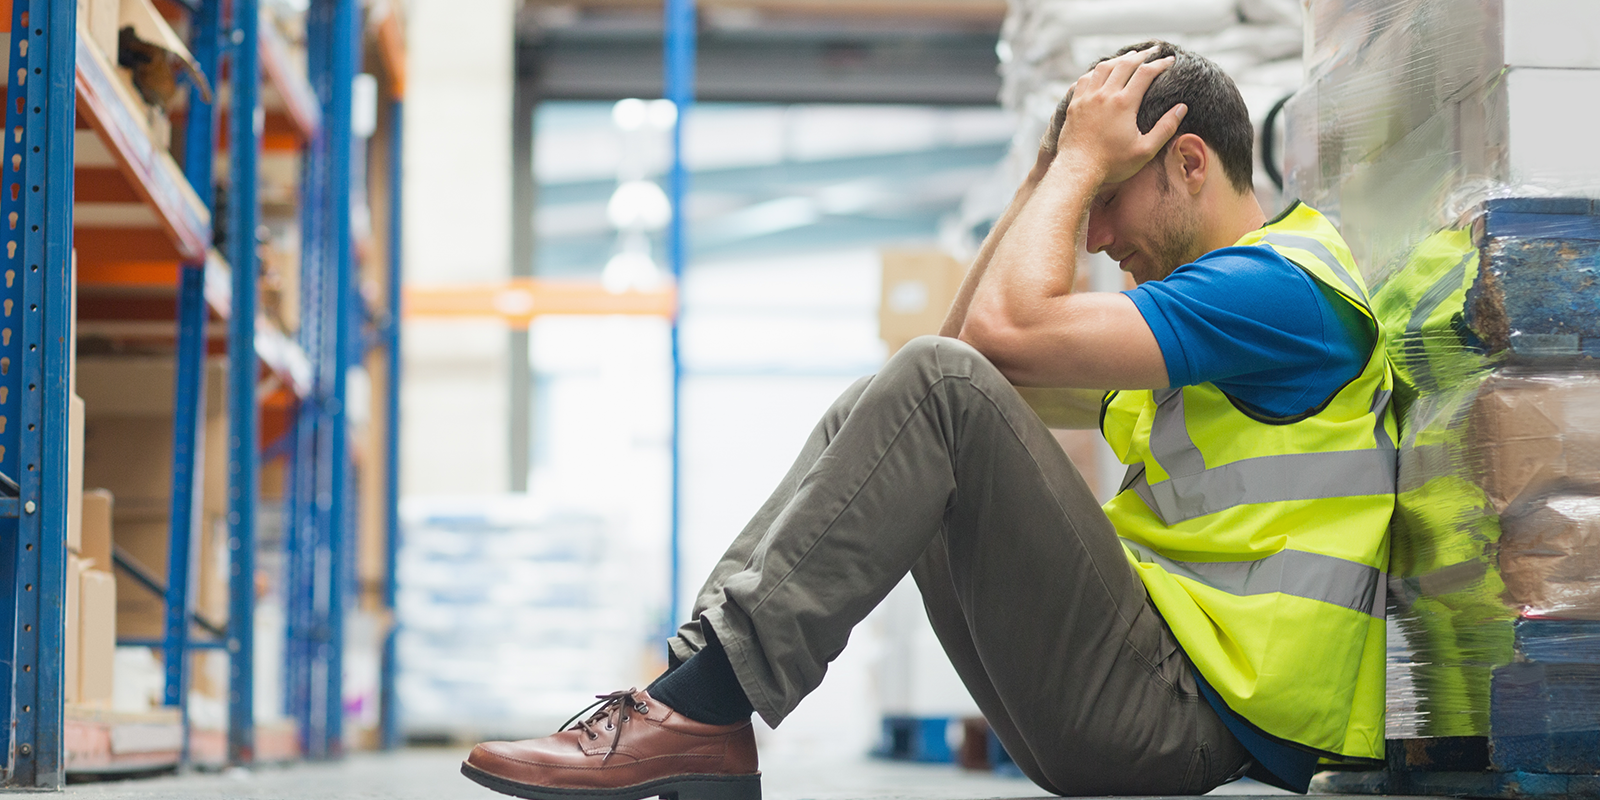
[1448, 139]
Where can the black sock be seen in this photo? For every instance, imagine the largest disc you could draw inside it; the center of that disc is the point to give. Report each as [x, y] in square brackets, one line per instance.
[704, 688]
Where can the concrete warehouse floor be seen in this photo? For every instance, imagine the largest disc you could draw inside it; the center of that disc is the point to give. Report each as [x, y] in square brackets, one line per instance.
[432, 774]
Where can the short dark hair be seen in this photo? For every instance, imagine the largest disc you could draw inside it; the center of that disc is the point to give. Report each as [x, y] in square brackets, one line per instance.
[1217, 113]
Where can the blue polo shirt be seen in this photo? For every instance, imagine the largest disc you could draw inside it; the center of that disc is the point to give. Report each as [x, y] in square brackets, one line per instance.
[1272, 337]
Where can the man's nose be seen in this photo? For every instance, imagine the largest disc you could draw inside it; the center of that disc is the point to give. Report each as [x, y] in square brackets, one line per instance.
[1098, 236]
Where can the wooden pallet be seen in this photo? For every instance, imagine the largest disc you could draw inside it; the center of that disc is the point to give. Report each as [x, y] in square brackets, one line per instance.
[276, 742]
[1502, 785]
[102, 742]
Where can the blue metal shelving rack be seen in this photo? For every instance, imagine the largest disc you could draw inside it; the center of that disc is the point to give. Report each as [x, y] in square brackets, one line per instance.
[189, 395]
[388, 697]
[244, 447]
[209, 46]
[679, 61]
[35, 312]
[36, 203]
[319, 510]
[320, 517]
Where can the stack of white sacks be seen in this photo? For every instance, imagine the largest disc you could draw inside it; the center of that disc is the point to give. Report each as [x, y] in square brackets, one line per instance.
[513, 614]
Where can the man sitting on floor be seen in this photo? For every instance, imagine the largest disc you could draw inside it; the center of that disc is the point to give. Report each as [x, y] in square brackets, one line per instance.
[1222, 615]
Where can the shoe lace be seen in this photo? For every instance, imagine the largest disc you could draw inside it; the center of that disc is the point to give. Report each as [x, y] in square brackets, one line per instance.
[613, 710]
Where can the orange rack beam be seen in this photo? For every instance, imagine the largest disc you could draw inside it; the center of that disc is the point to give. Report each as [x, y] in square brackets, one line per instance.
[518, 301]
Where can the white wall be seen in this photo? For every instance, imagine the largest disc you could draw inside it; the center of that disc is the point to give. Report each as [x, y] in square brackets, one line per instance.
[457, 229]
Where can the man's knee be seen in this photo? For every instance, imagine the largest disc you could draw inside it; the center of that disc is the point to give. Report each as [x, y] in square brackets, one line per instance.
[930, 349]
[945, 355]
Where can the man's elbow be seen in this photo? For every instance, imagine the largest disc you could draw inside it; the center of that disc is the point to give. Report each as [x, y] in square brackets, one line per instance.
[999, 341]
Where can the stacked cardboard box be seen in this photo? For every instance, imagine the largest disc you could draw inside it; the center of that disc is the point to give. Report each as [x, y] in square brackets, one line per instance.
[918, 288]
[128, 440]
[1449, 141]
[91, 606]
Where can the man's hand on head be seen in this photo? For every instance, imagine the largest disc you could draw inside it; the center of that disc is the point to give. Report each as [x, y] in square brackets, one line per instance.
[1098, 118]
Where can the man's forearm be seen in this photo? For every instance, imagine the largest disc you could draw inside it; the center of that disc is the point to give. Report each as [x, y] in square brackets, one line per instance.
[1037, 259]
[957, 315]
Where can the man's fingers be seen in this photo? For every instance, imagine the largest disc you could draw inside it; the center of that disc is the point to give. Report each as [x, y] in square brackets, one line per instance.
[1147, 72]
[1166, 126]
[1125, 66]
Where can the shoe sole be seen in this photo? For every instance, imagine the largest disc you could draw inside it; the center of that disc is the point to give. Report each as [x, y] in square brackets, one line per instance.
[678, 787]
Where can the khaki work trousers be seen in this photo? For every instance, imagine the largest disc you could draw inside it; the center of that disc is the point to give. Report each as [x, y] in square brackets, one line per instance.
[935, 466]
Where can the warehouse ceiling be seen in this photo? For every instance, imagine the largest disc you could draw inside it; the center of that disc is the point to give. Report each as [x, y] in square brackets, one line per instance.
[878, 51]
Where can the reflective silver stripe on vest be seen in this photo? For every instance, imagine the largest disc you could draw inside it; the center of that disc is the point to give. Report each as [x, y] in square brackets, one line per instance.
[1270, 479]
[1347, 584]
[1319, 250]
[1380, 403]
[1169, 436]
[1412, 344]
[1191, 490]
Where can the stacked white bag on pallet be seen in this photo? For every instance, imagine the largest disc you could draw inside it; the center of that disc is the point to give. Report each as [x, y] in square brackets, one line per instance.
[512, 612]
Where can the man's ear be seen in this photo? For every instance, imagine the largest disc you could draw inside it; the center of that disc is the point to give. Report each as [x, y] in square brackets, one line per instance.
[1193, 161]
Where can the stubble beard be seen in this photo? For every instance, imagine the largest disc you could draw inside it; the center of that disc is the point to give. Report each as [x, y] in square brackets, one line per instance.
[1176, 240]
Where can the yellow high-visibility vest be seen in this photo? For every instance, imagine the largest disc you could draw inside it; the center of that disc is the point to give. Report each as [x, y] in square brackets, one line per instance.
[1264, 541]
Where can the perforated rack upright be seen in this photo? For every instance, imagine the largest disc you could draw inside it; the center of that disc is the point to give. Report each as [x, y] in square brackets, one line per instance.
[35, 351]
[319, 521]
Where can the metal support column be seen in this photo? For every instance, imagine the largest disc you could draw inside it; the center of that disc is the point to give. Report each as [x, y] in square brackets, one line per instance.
[243, 412]
[388, 698]
[188, 448]
[524, 197]
[679, 63]
[320, 560]
[301, 517]
[35, 325]
[336, 360]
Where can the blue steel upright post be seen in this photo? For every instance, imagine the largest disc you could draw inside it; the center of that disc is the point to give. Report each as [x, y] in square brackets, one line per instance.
[678, 69]
[35, 323]
[301, 535]
[321, 528]
[344, 35]
[389, 699]
[243, 412]
[189, 406]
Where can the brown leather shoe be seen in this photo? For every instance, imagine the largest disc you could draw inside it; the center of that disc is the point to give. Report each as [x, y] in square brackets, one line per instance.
[633, 746]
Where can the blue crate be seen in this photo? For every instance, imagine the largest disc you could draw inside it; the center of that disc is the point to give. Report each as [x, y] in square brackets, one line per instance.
[921, 739]
[1558, 641]
[1545, 718]
[1001, 761]
[1537, 291]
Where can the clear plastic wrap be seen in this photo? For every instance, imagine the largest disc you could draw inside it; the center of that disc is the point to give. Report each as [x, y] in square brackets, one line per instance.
[1448, 139]
[1498, 514]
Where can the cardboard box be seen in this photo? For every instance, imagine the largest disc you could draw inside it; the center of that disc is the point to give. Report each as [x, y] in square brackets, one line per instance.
[141, 613]
[143, 386]
[1534, 435]
[98, 508]
[132, 458]
[98, 642]
[1550, 557]
[75, 473]
[71, 643]
[918, 288]
[128, 432]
